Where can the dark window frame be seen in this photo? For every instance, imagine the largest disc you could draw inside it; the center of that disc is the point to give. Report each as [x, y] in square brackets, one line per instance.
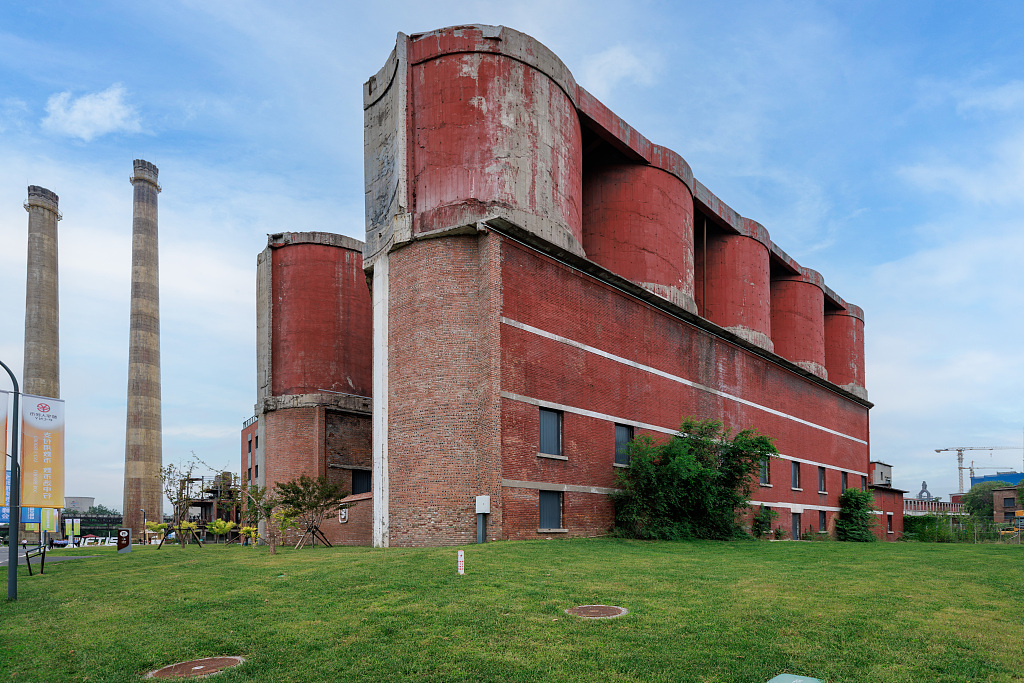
[821, 480]
[365, 481]
[796, 474]
[622, 447]
[547, 501]
[766, 473]
[844, 482]
[822, 520]
[542, 442]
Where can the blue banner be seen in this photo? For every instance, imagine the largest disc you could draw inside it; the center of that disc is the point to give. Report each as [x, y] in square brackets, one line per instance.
[31, 515]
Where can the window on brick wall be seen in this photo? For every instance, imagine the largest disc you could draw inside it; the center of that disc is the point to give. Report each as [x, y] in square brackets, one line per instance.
[888, 521]
[766, 474]
[1007, 516]
[250, 444]
[796, 526]
[796, 474]
[250, 474]
[550, 432]
[362, 481]
[1009, 502]
[256, 471]
[821, 479]
[550, 509]
[843, 485]
[863, 483]
[623, 435]
[257, 442]
[822, 521]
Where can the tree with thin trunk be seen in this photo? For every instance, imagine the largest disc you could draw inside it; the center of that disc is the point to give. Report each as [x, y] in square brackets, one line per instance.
[309, 501]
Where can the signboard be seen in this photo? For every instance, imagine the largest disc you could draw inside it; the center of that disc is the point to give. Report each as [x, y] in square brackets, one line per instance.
[30, 515]
[32, 527]
[124, 540]
[462, 561]
[3, 440]
[42, 452]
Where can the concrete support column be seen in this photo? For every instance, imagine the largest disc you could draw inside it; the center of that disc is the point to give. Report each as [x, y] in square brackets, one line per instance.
[143, 453]
[41, 374]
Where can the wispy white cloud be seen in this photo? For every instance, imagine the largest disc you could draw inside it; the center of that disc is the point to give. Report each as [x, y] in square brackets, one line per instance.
[993, 176]
[619, 64]
[91, 115]
[1001, 98]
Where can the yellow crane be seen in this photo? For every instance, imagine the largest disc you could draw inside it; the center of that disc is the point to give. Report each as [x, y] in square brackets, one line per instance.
[960, 457]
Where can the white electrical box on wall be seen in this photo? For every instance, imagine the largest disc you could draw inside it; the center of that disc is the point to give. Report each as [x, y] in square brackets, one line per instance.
[483, 505]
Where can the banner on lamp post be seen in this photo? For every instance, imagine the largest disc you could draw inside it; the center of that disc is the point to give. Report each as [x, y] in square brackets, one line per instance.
[3, 442]
[5, 511]
[42, 452]
[50, 516]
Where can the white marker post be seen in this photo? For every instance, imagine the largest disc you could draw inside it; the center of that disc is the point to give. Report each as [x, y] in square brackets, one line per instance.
[462, 562]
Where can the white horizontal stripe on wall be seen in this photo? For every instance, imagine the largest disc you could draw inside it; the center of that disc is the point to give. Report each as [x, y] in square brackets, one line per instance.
[666, 375]
[544, 486]
[790, 506]
[642, 425]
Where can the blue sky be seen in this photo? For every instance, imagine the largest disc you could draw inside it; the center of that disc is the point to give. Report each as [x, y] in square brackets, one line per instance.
[881, 144]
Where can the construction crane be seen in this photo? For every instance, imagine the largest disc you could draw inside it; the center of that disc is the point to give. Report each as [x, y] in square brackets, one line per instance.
[960, 457]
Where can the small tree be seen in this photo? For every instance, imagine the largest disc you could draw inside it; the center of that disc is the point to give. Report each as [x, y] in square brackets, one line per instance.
[978, 501]
[691, 486]
[219, 527]
[856, 516]
[309, 500]
[262, 506]
[181, 487]
[1020, 493]
[102, 510]
[761, 523]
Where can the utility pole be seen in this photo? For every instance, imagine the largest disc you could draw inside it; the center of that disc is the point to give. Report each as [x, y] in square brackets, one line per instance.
[15, 501]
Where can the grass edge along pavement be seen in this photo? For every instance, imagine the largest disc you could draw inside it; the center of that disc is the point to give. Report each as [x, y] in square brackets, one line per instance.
[739, 611]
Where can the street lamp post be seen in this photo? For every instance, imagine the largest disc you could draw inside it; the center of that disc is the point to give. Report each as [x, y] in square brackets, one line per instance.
[15, 501]
[144, 539]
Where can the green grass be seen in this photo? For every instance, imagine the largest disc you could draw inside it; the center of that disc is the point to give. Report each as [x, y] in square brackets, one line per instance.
[731, 612]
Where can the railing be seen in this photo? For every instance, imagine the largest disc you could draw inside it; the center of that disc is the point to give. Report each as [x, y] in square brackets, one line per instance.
[248, 422]
[913, 506]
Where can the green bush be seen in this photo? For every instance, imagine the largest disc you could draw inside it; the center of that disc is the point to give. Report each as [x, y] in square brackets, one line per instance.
[761, 524]
[691, 486]
[856, 516]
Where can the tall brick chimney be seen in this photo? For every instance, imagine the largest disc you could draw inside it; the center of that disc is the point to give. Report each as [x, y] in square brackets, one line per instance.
[42, 345]
[143, 451]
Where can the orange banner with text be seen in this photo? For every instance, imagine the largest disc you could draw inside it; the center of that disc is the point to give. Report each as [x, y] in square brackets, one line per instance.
[3, 442]
[42, 452]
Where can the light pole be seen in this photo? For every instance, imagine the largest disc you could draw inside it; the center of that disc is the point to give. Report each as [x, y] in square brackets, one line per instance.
[144, 539]
[15, 501]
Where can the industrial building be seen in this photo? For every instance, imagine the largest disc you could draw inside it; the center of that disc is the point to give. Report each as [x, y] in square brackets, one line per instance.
[539, 284]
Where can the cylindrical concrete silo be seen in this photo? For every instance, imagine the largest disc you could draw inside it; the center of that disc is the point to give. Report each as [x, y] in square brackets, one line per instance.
[321, 320]
[798, 320]
[638, 223]
[42, 339]
[844, 348]
[143, 451]
[738, 276]
[492, 134]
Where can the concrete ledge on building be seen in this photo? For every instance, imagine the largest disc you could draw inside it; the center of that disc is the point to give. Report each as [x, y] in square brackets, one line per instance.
[362, 405]
[766, 486]
[358, 497]
[619, 464]
[552, 457]
[329, 239]
[552, 531]
[792, 488]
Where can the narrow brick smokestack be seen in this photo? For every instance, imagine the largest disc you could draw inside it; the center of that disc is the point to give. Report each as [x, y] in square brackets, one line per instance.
[42, 348]
[143, 451]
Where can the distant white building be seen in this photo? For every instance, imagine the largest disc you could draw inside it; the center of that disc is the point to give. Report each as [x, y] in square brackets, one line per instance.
[78, 503]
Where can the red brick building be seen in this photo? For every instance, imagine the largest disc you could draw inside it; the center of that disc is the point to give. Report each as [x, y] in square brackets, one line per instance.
[546, 284]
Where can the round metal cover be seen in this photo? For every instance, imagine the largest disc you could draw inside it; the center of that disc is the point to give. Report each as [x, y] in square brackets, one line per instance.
[197, 668]
[597, 611]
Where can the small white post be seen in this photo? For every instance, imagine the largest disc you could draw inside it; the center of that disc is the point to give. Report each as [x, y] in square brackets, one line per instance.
[462, 562]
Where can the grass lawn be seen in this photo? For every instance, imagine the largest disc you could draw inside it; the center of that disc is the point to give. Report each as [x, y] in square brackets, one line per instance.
[731, 612]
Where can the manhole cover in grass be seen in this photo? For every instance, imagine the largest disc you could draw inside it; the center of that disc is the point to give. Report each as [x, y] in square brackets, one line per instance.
[197, 668]
[597, 611]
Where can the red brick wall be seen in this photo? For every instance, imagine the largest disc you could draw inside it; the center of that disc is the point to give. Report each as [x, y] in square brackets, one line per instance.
[886, 501]
[322, 323]
[443, 441]
[544, 294]
[305, 441]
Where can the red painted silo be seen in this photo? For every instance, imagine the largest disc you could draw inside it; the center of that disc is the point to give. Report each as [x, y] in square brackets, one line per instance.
[844, 348]
[492, 134]
[798, 320]
[737, 276]
[321, 316]
[638, 223]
